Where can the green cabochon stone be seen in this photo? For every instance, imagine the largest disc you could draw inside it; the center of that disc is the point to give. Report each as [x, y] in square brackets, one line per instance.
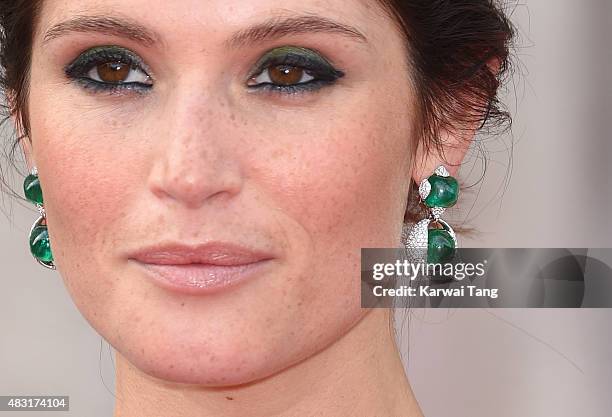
[440, 246]
[40, 245]
[444, 191]
[32, 190]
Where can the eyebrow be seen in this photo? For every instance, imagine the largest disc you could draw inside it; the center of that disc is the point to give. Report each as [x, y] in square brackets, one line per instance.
[282, 26]
[267, 30]
[118, 26]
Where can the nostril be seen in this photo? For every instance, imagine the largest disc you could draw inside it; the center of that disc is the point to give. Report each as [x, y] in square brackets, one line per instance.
[193, 191]
[192, 168]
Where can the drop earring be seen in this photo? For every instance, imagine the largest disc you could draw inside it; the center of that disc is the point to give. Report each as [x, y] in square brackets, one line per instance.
[40, 246]
[432, 236]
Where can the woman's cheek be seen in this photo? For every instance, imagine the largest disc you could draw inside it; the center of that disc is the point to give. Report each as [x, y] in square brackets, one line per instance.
[350, 177]
[84, 196]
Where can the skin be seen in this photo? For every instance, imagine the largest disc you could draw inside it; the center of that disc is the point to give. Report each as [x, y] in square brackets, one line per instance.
[313, 178]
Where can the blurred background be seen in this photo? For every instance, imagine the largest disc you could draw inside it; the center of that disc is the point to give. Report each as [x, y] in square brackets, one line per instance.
[546, 184]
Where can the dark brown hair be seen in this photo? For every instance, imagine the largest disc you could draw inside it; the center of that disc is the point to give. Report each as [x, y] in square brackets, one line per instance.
[458, 51]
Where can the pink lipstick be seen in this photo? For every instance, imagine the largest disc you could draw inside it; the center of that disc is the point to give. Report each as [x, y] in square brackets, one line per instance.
[201, 269]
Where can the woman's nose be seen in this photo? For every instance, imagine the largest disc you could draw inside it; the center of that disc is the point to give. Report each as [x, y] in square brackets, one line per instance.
[198, 161]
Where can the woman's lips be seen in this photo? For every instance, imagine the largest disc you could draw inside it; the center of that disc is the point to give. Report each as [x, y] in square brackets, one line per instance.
[200, 269]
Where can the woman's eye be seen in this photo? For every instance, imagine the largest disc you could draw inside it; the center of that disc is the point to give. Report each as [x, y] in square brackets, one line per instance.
[292, 69]
[109, 69]
[117, 72]
[287, 69]
[283, 75]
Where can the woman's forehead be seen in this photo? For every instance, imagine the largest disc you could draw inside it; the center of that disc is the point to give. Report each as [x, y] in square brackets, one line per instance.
[351, 17]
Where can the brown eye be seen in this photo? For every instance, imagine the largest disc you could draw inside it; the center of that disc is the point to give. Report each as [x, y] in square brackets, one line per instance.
[113, 72]
[117, 72]
[285, 74]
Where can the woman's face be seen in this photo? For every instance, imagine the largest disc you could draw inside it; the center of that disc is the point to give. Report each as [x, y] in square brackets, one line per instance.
[200, 150]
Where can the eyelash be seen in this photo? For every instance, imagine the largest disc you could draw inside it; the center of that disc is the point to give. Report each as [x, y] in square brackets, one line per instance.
[324, 74]
[77, 71]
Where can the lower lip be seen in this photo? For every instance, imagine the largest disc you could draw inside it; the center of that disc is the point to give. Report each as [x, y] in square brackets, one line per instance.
[202, 278]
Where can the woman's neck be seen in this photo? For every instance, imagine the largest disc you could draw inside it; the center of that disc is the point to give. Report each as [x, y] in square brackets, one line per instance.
[359, 375]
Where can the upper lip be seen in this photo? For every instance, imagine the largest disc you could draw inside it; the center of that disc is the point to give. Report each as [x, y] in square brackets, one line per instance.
[213, 253]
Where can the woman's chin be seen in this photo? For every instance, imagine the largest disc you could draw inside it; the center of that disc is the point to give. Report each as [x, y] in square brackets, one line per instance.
[204, 365]
[205, 375]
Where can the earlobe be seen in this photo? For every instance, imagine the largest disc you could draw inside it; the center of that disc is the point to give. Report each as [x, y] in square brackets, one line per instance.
[454, 143]
[453, 148]
[26, 148]
[25, 143]
[15, 117]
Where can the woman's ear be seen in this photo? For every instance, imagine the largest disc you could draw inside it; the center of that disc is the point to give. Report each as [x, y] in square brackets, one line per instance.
[454, 143]
[454, 146]
[26, 148]
[25, 144]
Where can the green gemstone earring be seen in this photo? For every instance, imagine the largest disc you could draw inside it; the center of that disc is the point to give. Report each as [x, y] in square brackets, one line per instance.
[437, 192]
[40, 246]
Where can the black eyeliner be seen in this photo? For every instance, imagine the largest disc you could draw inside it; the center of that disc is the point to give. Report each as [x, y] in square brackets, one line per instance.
[308, 60]
[80, 66]
[311, 62]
